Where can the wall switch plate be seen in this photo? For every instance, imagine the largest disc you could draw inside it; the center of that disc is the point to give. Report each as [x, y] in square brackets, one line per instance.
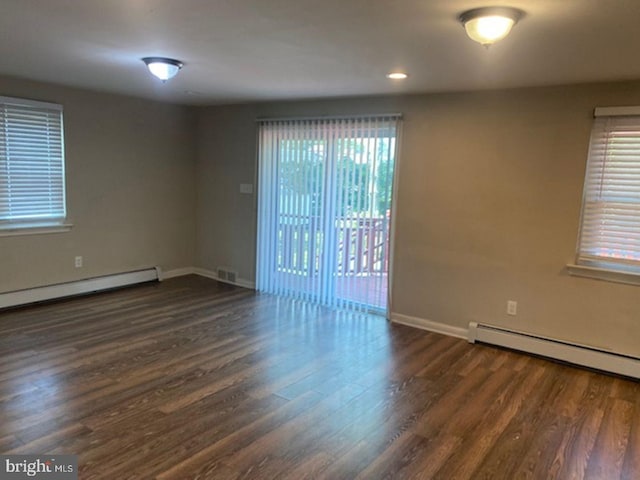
[246, 188]
[512, 307]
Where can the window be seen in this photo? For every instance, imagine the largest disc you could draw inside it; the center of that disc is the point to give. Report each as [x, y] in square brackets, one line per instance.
[32, 192]
[610, 227]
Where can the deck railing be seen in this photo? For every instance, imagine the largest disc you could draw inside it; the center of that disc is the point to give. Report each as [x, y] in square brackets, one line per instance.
[361, 246]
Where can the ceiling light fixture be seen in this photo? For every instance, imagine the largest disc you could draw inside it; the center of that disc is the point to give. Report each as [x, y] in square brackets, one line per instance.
[397, 75]
[162, 68]
[489, 24]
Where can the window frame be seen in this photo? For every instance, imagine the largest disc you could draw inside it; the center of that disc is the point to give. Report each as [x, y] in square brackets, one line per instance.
[40, 223]
[594, 266]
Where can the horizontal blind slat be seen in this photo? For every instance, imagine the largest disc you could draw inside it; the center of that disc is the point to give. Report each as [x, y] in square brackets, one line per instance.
[31, 160]
[610, 226]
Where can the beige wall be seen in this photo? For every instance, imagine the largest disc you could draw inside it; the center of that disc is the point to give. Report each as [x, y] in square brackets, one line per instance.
[488, 202]
[226, 219]
[130, 175]
[490, 187]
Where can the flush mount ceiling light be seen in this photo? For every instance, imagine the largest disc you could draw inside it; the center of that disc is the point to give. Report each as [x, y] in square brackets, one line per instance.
[397, 75]
[489, 24]
[162, 68]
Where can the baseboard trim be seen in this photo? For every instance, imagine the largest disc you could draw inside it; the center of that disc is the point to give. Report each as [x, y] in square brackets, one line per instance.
[178, 272]
[240, 282]
[203, 272]
[576, 354]
[78, 287]
[430, 325]
[106, 282]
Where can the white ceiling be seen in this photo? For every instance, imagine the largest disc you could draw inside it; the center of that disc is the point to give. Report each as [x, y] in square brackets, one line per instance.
[246, 50]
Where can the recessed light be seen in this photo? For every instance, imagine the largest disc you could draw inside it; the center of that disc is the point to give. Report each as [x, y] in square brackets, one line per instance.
[397, 75]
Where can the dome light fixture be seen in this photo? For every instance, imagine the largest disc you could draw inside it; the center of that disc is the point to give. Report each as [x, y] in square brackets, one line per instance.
[397, 75]
[162, 68]
[487, 25]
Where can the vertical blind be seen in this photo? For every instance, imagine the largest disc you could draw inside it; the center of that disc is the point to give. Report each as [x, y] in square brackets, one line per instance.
[31, 161]
[325, 189]
[610, 227]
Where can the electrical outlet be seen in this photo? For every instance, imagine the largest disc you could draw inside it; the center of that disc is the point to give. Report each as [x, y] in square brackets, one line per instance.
[512, 307]
[78, 262]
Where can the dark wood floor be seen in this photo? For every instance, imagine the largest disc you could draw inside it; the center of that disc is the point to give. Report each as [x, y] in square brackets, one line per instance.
[192, 379]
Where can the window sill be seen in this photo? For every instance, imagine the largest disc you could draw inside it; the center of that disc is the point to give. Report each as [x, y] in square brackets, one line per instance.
[617, 276]
[13, 230]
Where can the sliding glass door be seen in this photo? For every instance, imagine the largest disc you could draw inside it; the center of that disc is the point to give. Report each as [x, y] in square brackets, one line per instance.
[325, 190]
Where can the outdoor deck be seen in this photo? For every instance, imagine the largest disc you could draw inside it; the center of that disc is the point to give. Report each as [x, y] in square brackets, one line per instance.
[358, 275]
[365, 290]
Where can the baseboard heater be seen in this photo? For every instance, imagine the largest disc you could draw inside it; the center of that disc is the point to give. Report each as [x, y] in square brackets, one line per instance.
[78, 287]
[556, 349]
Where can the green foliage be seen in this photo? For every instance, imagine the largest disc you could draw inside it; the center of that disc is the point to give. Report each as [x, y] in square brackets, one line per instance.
[384, 181]
[302, 171]
[354, 194]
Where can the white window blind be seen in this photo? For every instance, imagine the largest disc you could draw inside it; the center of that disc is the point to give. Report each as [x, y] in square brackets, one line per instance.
[610, 227]
[325, 189]
[31, 162]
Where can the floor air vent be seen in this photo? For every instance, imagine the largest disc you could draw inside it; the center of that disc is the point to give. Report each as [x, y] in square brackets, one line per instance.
[226, 275]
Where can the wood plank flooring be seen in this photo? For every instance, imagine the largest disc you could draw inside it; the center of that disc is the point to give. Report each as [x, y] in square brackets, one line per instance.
[191, 379]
